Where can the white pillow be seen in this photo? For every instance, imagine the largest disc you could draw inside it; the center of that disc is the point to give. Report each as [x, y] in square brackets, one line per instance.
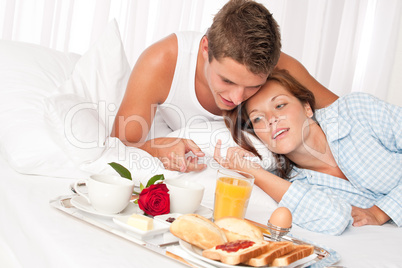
[82, 114]
[31, 79]
[101, 74]
[206, 134]
[74, 124]
[28, 74]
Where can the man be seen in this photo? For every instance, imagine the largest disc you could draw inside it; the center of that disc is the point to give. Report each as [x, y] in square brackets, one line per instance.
[191, 77]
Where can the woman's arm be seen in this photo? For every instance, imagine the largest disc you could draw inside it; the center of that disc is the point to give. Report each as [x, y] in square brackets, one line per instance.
[369, 216]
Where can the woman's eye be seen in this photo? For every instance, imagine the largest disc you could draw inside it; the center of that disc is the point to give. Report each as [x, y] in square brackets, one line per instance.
[279, 106]
[256, 119]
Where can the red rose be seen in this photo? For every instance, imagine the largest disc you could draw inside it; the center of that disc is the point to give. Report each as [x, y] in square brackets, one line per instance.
[155, 200]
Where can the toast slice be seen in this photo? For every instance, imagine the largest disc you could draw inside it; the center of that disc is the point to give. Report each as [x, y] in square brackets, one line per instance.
[275, 250]
[299, 252]
[224, 255]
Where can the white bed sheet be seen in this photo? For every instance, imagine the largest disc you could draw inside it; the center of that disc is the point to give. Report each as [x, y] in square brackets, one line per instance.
[34, 234]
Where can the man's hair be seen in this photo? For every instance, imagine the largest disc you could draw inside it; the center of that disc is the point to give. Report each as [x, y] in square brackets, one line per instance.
[238, 121]
[246, 32]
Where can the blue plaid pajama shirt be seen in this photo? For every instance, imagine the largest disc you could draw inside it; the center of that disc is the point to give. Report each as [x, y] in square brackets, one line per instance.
[365, 137]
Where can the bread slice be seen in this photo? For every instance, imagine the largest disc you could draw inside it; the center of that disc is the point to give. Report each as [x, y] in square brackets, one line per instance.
[275, 250]
[239, 229]
[198, 231]
[239, 256]
[299, 252]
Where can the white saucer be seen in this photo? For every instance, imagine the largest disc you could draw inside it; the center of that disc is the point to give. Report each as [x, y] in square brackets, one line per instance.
[205, 212]
[82, 204]
[83, 188]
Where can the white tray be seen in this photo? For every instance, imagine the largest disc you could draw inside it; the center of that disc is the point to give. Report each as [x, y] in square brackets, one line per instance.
[168, 245]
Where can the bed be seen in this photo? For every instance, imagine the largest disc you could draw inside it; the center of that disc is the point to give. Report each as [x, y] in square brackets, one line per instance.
[56, 110]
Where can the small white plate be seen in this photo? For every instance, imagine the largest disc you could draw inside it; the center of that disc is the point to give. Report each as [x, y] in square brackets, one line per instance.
[159, 227]
[197, 253]
[203, 211]
[164, 217]
[82, 204]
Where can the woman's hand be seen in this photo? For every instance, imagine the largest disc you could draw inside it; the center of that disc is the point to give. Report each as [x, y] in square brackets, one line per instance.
[235, 158]
[368, 216]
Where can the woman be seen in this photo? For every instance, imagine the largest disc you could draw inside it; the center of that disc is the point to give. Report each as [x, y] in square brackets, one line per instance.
[341, 168]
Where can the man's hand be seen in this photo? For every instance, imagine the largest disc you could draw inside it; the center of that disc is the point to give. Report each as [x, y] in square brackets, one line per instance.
[368, 216]
[172, 153]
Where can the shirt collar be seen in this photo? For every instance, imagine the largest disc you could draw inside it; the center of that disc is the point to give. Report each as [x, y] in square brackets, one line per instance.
[334, 125]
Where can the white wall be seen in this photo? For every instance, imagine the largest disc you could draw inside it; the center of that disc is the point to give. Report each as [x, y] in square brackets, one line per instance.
[395, 87]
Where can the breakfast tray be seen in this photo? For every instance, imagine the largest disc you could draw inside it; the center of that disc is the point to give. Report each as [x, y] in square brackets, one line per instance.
[168, 245]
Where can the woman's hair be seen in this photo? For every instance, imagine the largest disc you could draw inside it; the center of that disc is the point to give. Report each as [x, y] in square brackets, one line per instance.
[239, 123]
[246, 32]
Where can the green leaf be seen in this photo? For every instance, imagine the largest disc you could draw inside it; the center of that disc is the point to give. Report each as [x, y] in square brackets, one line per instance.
[154, 179]
[124, 172]
[141, 186]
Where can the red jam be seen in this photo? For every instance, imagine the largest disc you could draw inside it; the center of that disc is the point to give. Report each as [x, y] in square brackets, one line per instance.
[170, 219]
[235, 245]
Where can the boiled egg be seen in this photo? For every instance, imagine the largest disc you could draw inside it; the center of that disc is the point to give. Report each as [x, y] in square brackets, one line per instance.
[281, 217]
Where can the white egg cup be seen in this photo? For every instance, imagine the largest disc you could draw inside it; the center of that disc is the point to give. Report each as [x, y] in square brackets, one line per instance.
[277, 232]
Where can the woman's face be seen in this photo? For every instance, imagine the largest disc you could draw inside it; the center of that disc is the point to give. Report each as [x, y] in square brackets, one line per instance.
[279, 119]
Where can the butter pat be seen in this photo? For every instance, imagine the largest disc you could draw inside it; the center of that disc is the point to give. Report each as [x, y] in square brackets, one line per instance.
[141, 222]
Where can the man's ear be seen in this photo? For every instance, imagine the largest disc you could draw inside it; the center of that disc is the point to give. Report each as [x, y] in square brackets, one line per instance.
[308, 110]
[204, 47]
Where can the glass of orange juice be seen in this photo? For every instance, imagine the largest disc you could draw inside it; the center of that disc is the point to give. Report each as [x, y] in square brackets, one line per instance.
[232, 193]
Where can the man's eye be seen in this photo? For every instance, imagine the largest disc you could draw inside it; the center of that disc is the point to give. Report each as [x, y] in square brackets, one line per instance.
[228, 81]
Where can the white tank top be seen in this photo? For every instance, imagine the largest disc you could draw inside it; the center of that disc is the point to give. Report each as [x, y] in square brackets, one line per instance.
[182, 108]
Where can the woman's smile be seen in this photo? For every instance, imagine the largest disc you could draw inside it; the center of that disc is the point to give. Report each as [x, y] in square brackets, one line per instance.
[279, 133]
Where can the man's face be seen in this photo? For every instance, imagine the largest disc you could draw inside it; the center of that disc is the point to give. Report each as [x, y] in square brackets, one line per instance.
[231, 83]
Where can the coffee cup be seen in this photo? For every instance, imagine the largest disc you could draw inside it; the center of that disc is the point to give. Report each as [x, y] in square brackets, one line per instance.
[185, 195]
[107, 193]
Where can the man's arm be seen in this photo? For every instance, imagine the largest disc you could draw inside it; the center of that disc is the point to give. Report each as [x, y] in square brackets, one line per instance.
[148, 86]
[323, 96]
